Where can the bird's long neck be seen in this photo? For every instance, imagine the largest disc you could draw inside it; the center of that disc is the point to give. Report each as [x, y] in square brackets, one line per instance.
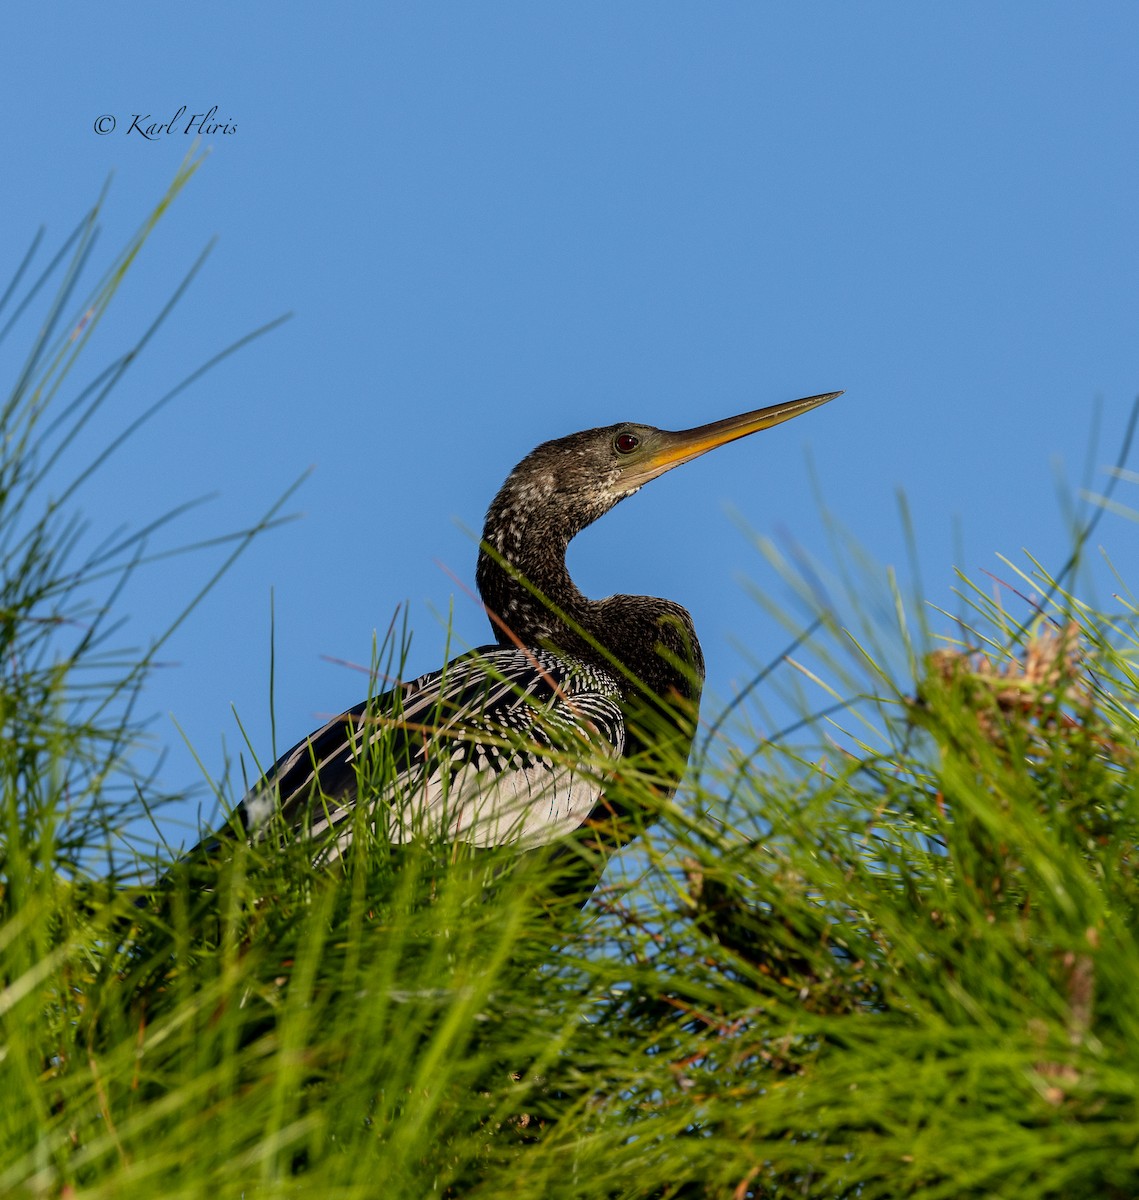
[523, 580]
[522, 575]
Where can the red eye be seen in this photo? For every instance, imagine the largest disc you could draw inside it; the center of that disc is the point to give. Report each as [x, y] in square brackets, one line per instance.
[626, 443]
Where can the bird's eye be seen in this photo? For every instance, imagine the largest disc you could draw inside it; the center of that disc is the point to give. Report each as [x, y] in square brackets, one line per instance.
[626, 443]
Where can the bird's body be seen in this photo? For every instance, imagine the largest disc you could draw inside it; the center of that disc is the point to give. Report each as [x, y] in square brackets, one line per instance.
[503, 745]
[522, 742]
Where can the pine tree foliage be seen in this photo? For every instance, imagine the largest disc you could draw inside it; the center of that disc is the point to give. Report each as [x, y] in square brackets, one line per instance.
[891, 960]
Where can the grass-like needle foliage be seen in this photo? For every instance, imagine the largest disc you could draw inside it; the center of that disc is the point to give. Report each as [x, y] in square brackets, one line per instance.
[901, 964]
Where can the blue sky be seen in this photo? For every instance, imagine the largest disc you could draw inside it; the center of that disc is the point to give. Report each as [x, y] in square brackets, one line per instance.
[497, 223]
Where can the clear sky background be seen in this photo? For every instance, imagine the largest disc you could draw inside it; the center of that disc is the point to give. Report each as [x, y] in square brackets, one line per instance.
[497, 223]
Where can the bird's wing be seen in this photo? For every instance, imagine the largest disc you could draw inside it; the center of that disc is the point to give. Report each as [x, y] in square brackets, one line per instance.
[501, 746]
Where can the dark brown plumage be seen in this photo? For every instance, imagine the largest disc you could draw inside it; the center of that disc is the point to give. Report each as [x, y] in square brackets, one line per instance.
[526, 735]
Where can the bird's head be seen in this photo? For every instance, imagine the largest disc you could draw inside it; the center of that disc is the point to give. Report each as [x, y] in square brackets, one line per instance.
[574, 480]
[561, 487]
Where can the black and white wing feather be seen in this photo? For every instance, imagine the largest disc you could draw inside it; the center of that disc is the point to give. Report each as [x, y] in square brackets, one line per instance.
[502, 746]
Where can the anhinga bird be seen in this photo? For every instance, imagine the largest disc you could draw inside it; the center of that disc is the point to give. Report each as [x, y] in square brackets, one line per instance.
[521, 742]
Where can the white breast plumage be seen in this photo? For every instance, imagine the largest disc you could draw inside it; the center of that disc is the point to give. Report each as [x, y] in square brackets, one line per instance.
[503, 746]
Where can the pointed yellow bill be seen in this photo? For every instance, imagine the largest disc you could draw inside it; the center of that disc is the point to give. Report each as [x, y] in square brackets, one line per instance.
[674, 448]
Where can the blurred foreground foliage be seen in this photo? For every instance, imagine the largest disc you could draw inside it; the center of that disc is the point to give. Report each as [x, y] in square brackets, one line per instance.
[901, 965]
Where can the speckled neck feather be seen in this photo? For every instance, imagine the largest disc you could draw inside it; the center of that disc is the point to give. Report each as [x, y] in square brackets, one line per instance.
[553, 494]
